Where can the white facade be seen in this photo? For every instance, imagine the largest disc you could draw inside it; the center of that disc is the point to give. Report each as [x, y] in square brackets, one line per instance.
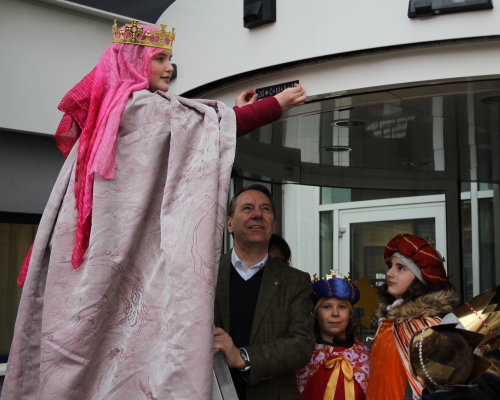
[47, 47]
[376, 44]
[53, 45]
[341, 51]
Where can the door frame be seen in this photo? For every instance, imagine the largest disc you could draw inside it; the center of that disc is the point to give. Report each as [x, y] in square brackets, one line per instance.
[344, 214]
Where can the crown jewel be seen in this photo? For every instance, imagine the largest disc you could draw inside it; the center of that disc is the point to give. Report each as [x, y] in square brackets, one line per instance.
[133, 34]
[332, 274]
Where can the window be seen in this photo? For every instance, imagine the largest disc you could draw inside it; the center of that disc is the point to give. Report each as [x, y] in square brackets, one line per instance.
[17, 232]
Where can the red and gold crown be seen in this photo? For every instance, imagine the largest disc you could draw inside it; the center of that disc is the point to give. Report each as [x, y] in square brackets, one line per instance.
[133, 34]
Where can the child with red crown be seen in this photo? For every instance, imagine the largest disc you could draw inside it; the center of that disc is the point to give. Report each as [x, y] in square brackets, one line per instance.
[134, 219]
[339, 366]
[416, 295]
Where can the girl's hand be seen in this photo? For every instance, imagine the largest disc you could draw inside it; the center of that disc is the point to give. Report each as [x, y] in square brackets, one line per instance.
[246, 97]
[291, 97]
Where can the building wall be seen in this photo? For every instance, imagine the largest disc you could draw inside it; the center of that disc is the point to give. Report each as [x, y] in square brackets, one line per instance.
[47, 47]
[29, 165]
[57, 46]
[46, 50]
[340, 50]
[213, 44]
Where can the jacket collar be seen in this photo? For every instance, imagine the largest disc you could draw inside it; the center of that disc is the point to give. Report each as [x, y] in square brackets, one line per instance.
[428, 305]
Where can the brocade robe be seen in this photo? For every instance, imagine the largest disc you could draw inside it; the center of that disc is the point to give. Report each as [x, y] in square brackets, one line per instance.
[135, 320]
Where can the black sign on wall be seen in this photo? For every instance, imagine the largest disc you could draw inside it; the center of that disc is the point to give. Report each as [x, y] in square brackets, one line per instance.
[274, 89]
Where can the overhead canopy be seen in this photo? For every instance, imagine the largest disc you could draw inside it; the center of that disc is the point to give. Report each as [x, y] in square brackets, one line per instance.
[145, 10]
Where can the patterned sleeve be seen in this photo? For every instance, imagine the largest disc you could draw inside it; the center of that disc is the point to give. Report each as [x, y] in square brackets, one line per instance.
[360, 362]
[403, 333]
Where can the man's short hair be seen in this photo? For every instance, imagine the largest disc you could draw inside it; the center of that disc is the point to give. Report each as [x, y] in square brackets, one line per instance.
[260, 188]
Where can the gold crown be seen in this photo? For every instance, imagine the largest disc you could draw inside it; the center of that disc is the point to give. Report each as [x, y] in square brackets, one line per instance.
[425, 342]
[132, 34]
[482, 315]
[332, 274]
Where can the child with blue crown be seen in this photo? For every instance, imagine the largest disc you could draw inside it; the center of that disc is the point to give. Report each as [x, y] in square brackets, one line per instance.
[338, 369]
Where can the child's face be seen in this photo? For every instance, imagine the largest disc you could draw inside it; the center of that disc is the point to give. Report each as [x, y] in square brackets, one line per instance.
[333, 318]
[399, 278]
[275, 252]
[161, 71]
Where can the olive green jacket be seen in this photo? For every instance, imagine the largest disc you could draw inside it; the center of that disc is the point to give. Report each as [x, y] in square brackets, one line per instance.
[281, 338]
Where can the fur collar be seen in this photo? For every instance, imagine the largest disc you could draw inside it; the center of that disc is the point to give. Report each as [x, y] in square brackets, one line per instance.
[429, 305]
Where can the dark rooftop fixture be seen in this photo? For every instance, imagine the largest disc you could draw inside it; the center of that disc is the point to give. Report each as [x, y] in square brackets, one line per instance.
[145, 10]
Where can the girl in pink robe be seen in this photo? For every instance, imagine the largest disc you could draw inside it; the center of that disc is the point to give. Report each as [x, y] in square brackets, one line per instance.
[134, 222]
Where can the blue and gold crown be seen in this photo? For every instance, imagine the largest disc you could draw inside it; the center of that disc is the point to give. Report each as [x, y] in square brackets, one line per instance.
[134, 34]
[334, 285]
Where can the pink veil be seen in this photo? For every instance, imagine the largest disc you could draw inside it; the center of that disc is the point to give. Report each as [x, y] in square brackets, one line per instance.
[94, 107]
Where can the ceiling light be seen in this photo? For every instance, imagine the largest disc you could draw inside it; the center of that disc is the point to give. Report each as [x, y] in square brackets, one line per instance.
[337, 149]
[492, 100]
[348, 123]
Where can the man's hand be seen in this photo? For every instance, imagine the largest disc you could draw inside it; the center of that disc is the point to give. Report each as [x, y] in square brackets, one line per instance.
[291, 97]
[223, 342]
[246, 97]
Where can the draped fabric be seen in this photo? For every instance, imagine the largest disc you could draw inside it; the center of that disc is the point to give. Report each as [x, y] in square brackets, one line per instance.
[93, 109]
[135, 320]
[335, 372]
[403, 333]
